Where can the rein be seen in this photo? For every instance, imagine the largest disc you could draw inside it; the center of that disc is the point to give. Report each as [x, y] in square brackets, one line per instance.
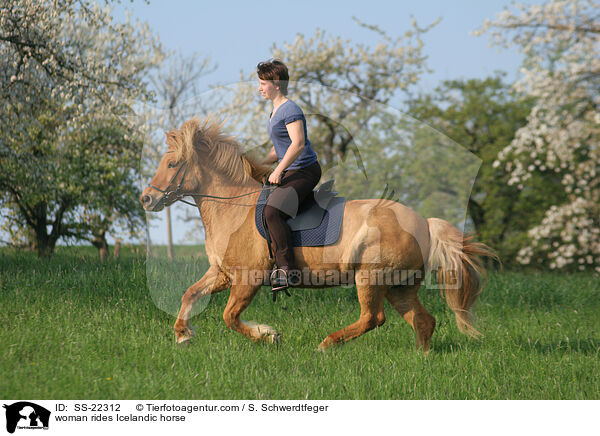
[217, 197]
[178, 195]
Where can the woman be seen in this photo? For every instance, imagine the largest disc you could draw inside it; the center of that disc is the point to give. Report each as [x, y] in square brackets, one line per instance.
[297, 172]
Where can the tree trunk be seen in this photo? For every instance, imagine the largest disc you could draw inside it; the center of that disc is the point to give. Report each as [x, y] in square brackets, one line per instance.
[44, 244]
[117, 249]
[148, 240]
[169, 234]
[43, 248]
[100, 243]
[477, 215]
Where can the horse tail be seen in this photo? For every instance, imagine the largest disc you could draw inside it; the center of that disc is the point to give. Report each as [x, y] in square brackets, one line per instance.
[460, 273]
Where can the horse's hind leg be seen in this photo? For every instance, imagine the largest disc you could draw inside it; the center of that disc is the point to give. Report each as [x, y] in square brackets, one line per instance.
[370, 298]
[212, 282]
[406, 301]
[239, 300]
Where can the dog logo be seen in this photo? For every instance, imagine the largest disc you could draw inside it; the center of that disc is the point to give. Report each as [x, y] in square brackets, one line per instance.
[26, 415]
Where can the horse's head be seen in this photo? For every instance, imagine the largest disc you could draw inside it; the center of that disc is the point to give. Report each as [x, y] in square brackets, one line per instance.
[177, 174]
[199, 154]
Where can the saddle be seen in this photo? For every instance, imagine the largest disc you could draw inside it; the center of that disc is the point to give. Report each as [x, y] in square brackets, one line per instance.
[318, 221]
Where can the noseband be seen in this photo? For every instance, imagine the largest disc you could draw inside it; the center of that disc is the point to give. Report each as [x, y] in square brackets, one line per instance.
[170, 195]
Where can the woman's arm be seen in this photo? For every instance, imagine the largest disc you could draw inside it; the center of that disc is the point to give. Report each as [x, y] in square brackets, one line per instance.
[296, 131]
[271, 157]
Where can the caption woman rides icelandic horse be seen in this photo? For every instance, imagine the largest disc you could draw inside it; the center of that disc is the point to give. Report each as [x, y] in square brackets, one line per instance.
[376, 235]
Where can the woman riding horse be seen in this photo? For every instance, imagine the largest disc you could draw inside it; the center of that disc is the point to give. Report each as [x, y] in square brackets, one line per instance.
[377, 235]
[297, 173]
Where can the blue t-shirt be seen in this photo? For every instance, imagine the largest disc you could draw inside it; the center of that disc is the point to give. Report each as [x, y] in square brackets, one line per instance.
[287, 113]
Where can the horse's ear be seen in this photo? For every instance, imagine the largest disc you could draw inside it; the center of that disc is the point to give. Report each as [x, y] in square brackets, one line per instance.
[171, 138]
[169, 135]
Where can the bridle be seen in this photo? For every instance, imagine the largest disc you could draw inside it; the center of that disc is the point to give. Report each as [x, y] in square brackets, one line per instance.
[170, 196]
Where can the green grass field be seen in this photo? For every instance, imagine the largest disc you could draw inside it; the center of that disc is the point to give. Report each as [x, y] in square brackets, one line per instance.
[73, 328]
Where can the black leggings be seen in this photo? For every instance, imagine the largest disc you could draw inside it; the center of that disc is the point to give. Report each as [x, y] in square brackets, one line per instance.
[282, 204]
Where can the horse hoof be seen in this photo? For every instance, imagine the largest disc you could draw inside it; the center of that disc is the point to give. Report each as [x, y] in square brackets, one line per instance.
[184, 342]
[274, 338]
[322, 347]
[265, 333]
[185, 337]
[327, 344]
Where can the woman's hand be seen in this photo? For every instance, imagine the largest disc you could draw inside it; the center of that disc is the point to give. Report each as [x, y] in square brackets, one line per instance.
[275, 177]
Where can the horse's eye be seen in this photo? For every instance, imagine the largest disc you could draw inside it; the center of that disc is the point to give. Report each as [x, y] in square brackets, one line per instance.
[172, 165]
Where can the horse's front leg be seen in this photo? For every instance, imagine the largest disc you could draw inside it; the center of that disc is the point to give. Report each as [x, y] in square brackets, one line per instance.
[239, 300]
[213, 281]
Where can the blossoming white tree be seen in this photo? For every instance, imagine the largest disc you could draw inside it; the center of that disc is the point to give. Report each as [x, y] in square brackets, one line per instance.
[69, 143]
[561, 43]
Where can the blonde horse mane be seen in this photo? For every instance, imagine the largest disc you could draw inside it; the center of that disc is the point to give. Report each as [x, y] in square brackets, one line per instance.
[199, 143]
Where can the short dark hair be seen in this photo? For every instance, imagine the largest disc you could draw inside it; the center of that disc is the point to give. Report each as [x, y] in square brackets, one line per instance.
[276, 71]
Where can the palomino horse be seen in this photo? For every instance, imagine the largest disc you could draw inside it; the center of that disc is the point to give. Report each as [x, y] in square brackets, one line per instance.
[376, 235]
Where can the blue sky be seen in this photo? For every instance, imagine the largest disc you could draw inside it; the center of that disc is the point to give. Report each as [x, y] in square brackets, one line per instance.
[237, 35]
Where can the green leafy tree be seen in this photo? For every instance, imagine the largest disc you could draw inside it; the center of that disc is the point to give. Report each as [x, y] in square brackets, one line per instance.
[483, 115]
[404, 159]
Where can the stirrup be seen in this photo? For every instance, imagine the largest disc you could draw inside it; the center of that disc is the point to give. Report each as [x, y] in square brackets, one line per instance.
[279, 282]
